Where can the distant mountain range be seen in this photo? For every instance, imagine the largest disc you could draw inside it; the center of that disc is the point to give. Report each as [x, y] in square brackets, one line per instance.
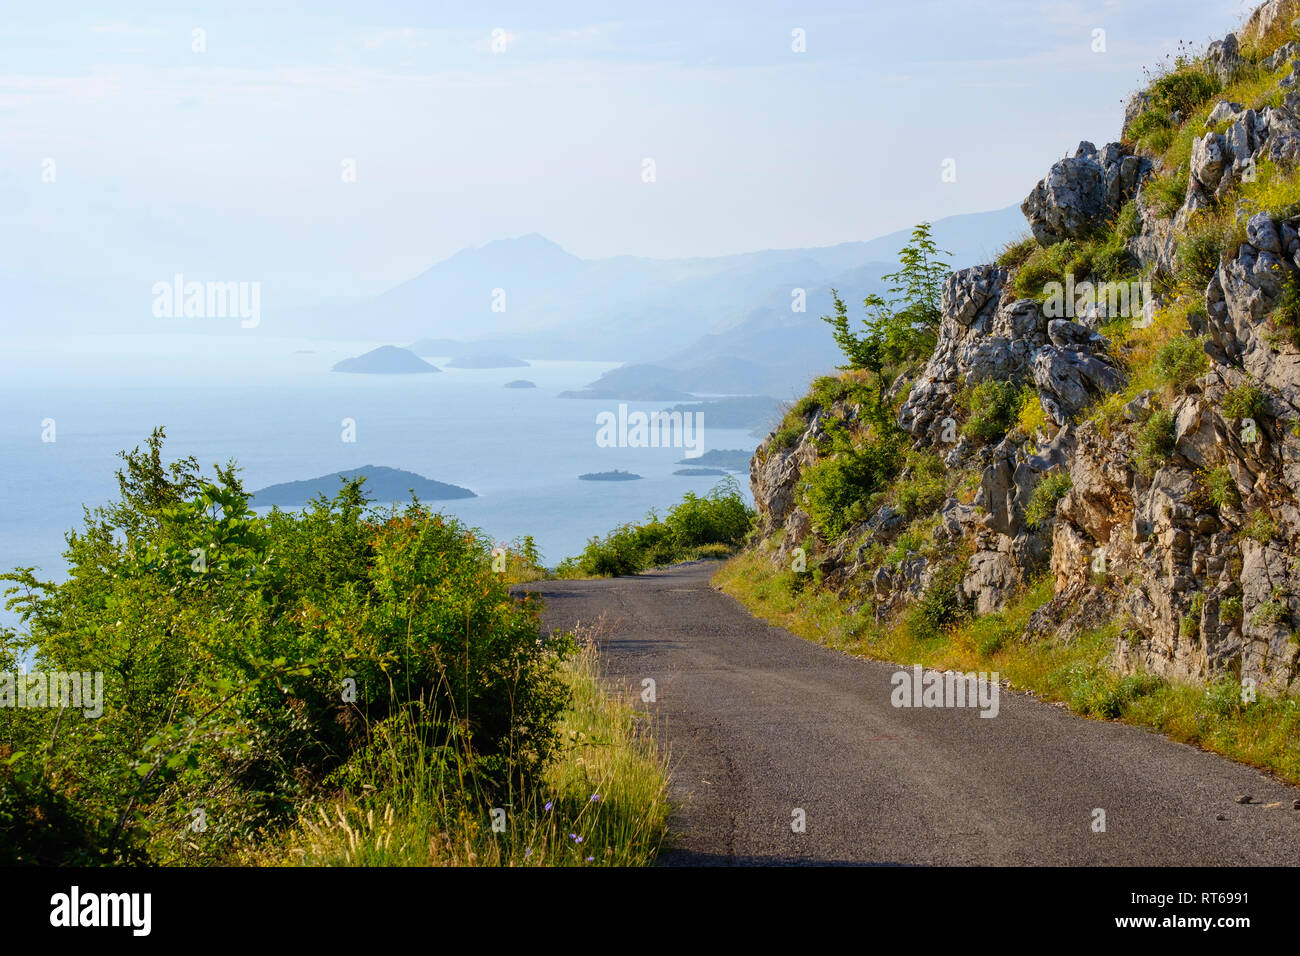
[685, 327]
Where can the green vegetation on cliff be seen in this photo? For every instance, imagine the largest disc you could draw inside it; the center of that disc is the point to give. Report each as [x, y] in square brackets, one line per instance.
[264, 677]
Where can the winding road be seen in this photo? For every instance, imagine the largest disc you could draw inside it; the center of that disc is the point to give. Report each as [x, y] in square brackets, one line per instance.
[765, 730]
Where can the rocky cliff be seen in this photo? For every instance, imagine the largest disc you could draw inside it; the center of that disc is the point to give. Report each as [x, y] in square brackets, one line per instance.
[1150, 464]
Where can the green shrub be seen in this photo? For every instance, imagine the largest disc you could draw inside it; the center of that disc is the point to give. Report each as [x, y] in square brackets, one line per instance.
[720, 517]
[1050, 489]
[901, 328]
[1261, 527]
[228, 640]
[1152, 131]
[1199, 250]
[1223, 698]
[1287, 314]
[1155, 442]
[941, 605]
[836, 489]
[1098, 693]
[1272, 611]
[1221, 488]
[991, 407]
[1231, 609]
[923, 488]
[1190, 625]
[695, 527]
[912, 541]
[1180, 361]
[1184, 88]
[1244, 401]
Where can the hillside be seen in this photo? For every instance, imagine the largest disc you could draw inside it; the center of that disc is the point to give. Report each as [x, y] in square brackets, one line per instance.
[386, 360]
[382, 484]
[1061, 454]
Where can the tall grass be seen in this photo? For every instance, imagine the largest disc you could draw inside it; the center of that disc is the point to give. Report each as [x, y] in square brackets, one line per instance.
[602, 802]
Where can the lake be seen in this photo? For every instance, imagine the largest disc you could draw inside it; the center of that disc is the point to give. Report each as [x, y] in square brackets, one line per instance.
[274, 406]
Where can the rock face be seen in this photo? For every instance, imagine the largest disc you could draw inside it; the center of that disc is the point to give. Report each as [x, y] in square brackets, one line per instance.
[1082, 191]
[1199, 586]
[1223, 160]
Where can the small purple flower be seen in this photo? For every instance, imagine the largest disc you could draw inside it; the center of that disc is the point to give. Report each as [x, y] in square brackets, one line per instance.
[528, 851]
[575, 838]
[548, 806]
[595, 797]
[590, 859]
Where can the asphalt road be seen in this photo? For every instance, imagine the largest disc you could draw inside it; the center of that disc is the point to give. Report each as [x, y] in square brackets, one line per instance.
[759, 724]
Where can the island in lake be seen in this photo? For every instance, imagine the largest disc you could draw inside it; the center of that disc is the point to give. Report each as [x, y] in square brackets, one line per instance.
[699, 471]
[614, 475]
[521, 383]
[383, 485]
[732, 459]
[487, 361]
[386, 360]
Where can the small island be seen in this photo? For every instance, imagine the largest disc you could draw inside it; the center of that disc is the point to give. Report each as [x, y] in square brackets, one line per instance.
[614, 475]
[699, 471]
[521, 383]
[486, 361]
[386, 360]
[732, 459]
[383, 485]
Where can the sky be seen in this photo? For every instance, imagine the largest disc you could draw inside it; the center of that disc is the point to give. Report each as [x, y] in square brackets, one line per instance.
[341, 148]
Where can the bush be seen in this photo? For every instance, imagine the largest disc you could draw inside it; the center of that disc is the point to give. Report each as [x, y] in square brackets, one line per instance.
[836, 489]
[720, 517]
[1155, 443]
[1221, 488]
[1050, 489]
[1180, 361]
[941, 605]
[991, 407]
[1152, 131]
[1190, 625]
[1103, 258]
[1244, 401]
[923, 488]
[1183, 89]
[1261, 527]
[1030, 416]
[1199, 251]
[1287, 314]
[1272, 611]
[228, 642]
[695, 527]
[1231, 609]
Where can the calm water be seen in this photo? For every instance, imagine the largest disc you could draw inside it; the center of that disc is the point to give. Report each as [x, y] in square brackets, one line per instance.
[274, 406]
